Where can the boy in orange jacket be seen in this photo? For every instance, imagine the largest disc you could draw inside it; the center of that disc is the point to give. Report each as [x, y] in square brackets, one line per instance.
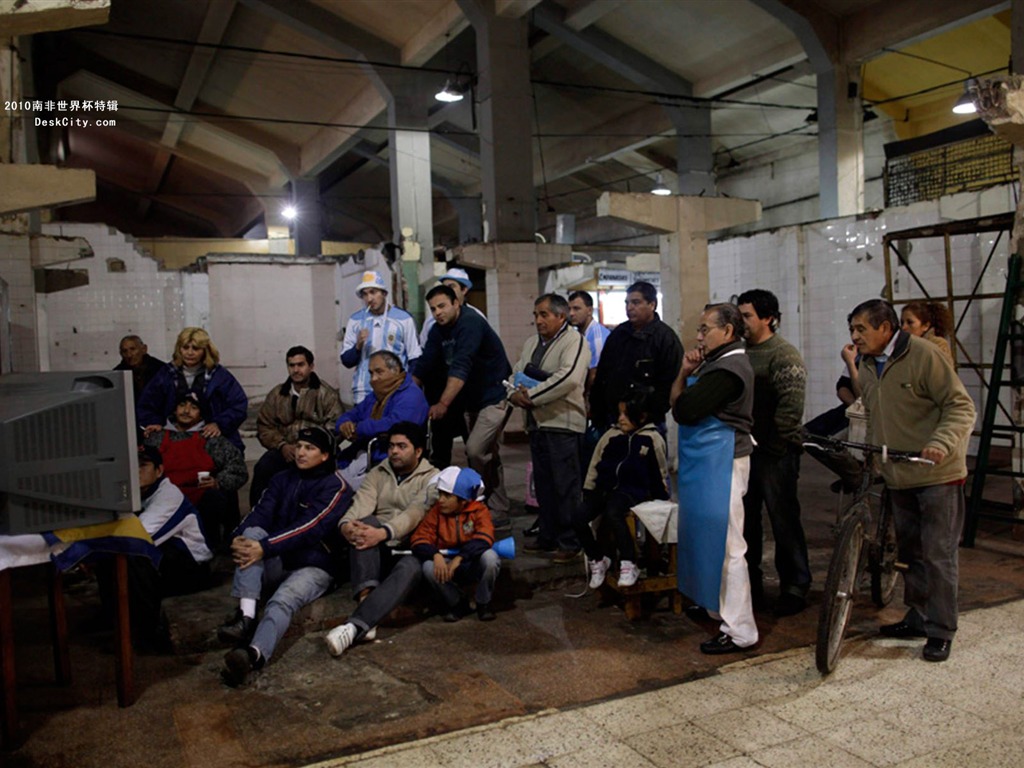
[453, 542]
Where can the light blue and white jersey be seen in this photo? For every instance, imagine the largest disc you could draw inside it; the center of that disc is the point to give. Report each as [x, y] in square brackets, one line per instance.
[595, 336]
[392, 331]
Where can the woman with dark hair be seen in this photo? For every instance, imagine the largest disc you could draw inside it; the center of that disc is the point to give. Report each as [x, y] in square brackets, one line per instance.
[929, 320]
[196, 368]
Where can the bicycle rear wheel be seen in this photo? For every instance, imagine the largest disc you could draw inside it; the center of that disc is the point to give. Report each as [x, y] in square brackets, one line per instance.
[840, 588]
[882, 556]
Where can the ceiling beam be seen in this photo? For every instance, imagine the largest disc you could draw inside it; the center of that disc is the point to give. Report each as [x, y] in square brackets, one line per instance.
[433, 36]
[896, 24]
[815, 28]
[578, 17]
[218, 14]
[514, 9]
[30, 17]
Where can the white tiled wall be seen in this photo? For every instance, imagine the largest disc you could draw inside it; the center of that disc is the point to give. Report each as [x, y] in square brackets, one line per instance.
[820, 271]
[80, 327]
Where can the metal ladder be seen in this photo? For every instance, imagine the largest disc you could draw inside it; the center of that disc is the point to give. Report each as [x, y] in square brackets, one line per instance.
[989, 429]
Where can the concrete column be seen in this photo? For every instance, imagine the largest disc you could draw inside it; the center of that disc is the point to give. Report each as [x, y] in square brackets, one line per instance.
[505, 112]
[840, 143]
[471, 222]
[307, 228]
[682, 224]
[696, 161]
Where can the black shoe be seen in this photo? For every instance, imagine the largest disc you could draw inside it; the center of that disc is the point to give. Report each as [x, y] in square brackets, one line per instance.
[719, 645]
[456, 613]
[789, 604]
[237, 631]
[936, 649]
[696, 612]
[533, 530]
[484, 612]
[566, 556]
[239, 664]
[903, 630]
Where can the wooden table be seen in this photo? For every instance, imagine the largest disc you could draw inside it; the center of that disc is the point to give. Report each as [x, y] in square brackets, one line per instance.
[124, 659]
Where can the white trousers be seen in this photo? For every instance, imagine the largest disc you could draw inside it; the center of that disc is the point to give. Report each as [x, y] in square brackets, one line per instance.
[737, 614]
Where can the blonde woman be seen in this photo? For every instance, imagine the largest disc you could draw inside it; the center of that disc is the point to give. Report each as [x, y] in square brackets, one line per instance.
[196, 368]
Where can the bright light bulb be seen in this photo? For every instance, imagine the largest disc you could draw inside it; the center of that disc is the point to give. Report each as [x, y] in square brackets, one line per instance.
[448, 94]
[289, 212]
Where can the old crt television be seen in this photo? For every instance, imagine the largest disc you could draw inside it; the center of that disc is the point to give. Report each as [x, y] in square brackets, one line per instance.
[68, 450]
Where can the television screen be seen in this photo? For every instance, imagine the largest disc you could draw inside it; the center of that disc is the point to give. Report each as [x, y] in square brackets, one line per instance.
[68, 450]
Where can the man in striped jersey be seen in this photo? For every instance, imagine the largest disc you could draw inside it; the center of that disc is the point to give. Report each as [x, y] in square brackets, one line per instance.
[377, 326]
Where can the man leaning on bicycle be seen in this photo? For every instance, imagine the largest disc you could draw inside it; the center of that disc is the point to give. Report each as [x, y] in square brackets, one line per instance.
[916, 402]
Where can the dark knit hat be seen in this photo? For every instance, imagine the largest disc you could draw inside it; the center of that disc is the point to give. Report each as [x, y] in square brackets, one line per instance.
[319, 437]
[149, 454]
[187, 397]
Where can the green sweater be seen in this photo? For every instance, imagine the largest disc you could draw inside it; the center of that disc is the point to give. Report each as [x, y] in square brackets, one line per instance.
[780, 379]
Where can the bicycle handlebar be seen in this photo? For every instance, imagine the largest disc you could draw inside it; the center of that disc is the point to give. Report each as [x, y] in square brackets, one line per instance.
[834, 446]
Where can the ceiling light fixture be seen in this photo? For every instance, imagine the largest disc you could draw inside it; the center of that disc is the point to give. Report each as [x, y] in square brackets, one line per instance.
[660, 188]
[456, 86]
[965, 104]
[289, 212]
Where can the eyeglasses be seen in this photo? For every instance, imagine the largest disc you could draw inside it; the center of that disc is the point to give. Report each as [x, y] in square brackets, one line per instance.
[704, 330]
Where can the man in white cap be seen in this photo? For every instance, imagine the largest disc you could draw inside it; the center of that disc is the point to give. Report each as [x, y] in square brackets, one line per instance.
[378, 326]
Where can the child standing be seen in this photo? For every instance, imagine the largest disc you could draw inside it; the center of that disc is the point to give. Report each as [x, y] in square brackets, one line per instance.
[461, 522]
[628, 468]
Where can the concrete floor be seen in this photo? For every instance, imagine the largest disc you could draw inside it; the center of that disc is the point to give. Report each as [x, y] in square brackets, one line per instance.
[547, 651]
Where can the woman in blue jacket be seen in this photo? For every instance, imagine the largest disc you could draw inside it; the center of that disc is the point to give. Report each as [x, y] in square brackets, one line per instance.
[195, 367]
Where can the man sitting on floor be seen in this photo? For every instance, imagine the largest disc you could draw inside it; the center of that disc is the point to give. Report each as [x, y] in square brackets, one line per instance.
[288, 543]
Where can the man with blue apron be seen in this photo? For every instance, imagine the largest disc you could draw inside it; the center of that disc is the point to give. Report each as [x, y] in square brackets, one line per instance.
[713, 404]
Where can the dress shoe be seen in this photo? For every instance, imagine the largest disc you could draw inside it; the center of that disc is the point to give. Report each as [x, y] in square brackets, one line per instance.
[457, 612]
[238, 630]
[936, 649]
[533, 530]
[719, 645]
[902, 629]
[789, 604]
[539, 546]
[484, 612]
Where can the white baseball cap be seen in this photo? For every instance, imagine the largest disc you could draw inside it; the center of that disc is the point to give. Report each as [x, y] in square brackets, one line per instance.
[371, 280]
[460, 276]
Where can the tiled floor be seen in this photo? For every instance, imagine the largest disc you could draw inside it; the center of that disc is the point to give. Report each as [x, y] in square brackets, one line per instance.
[883, 706]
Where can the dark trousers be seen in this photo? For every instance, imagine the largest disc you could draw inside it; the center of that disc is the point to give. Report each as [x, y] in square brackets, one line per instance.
[558, 483]
[270, 464]
[178, 574]
[219, 515]
[368, 566]
[442, 435]
[389, 595]
[612, 507]
[773, 482]
[929, 521]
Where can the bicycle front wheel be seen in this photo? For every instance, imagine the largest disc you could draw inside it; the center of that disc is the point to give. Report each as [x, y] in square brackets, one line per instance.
[840, 588]
[882, 556]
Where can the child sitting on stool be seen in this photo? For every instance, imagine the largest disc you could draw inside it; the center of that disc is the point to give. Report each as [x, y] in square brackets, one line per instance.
[460, 523]
[628, 468]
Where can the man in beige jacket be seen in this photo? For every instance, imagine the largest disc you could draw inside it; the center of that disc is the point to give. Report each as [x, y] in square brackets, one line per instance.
[389, 504]
[916, 402]
[549, 378]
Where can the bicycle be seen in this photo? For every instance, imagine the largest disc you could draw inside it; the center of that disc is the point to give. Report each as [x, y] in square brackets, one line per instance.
[859, 529]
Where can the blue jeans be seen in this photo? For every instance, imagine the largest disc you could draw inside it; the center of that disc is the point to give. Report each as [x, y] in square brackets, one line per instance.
[484, 570]
[292, 590]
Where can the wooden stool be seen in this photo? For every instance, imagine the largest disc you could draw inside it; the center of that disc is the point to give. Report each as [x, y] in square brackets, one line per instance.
[660, 584]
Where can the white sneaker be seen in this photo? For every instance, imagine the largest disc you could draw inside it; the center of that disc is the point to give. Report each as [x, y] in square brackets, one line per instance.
[628, 573]
[340, 638]
[598, 569]
[371, 635]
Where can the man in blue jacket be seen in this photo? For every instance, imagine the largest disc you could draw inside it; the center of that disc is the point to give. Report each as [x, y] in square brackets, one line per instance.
[396, 398]
[465, 354]
[284, 544]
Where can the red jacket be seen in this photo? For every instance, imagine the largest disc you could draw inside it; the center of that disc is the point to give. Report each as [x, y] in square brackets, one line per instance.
[470, 531]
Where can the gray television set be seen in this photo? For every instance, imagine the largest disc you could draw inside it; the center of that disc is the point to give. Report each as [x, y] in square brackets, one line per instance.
[68, 450]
